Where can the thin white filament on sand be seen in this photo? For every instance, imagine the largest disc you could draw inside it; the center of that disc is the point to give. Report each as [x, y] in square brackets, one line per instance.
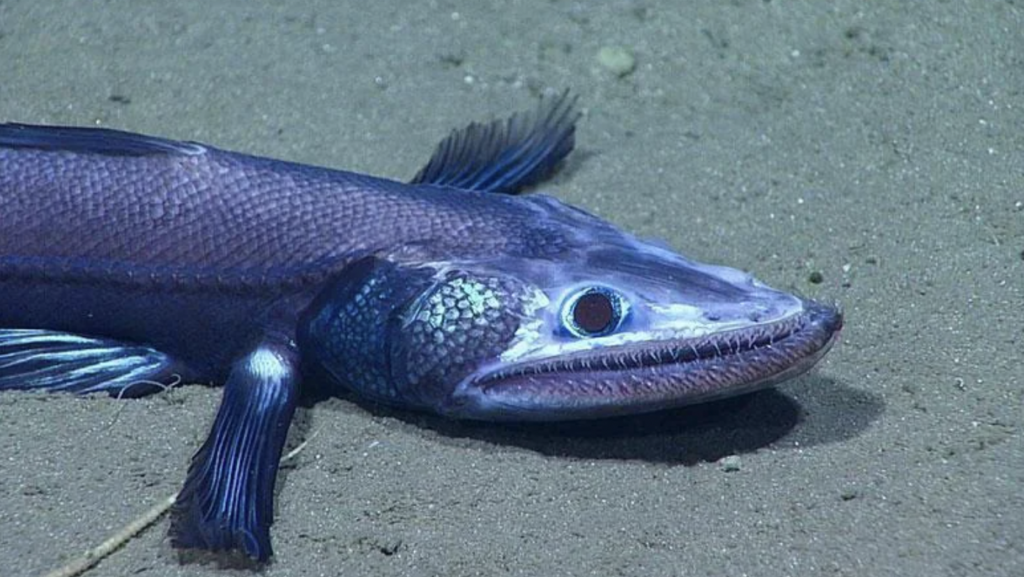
[90, 558]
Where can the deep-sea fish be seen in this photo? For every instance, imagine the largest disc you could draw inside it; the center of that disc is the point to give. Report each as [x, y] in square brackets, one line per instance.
[130, 261]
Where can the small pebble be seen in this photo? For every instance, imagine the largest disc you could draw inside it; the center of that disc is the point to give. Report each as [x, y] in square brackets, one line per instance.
[730, 463]
[617, 60]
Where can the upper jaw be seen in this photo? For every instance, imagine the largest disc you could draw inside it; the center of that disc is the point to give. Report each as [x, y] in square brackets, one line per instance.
[652, 375]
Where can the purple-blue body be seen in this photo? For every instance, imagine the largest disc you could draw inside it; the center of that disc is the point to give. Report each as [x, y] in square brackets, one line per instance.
[128, 261]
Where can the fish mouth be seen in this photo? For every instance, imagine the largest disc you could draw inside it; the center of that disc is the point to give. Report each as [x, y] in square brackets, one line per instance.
[651, 376]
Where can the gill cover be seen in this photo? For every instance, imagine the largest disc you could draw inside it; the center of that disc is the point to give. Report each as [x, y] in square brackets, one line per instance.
[403, 335]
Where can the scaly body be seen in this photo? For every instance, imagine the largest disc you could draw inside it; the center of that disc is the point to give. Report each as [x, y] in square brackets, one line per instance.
[128, 260]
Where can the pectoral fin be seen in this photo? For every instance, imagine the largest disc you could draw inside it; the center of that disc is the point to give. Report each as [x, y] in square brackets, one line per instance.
[228, 498]
[32, 359]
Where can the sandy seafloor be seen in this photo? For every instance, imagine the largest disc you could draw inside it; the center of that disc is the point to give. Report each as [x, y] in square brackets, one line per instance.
[879, 144]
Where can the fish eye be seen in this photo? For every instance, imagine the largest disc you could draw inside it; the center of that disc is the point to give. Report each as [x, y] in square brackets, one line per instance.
[593, 312]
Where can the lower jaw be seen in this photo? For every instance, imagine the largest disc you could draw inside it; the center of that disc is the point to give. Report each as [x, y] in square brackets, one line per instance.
[558, 397]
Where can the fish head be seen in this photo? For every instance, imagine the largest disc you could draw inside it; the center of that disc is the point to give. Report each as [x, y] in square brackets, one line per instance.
[631, 328]
[621, 326]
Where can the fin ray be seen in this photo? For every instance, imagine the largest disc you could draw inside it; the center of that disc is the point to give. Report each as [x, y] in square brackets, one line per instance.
[505, 156]
[91, 140]
[228, 497]
[34, 359]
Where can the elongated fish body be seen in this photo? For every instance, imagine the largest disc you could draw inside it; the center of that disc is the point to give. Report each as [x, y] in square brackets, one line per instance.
[129, 261]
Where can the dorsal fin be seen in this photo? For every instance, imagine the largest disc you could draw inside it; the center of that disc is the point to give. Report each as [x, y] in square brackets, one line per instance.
[91, 140]
[505, 156]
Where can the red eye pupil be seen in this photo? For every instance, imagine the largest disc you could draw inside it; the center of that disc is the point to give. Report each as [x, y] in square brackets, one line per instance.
[594, 312]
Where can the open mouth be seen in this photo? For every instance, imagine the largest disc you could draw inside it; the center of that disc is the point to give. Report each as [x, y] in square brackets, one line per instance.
[644, 377]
